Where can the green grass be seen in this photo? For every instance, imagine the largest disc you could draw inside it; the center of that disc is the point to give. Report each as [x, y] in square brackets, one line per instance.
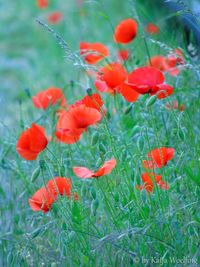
[112, 224]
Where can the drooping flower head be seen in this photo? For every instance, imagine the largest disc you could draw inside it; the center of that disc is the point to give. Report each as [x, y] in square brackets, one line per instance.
[125, 31]
[93, 52]
[31, 142]
[48, 97]
[149, 179]
[149, 80]
[105, 169]
[158, 157]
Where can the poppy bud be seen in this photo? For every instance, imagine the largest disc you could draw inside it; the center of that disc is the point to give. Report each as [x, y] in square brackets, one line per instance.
[128, 109]
[95, 138]
[62, 171]
[93, 193]
[42, 164]
[151, 100]
[102, 148]
[94, 206]
[89, 91]
[35, 174]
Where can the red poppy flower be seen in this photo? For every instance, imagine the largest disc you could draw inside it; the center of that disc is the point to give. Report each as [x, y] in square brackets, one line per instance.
[105, 169]
[55, 17]
[128, 92]
[175, 105]
[74, 122]
[59, 185]
[48, 97]
[149, 80]
[152, 28]
[125, 31]
[149, 179]
[41, 200]
[158, 158]
[42, 3]
[94, 101]
[110, 77]
[157, 62]
[123, 54]
[31, 142]
[93, 52]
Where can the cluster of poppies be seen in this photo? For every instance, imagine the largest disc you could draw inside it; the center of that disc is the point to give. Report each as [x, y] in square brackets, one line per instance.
[75, 119]
[157, 158]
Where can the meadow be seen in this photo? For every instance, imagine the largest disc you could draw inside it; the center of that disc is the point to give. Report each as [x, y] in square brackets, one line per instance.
[99, 149]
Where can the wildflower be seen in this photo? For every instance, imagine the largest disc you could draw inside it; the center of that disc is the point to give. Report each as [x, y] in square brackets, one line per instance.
[72, 123]
[59, 185]
[48, 97]
[149, 179]
[158, 158]
[105, 169]
[31, 142]
[93, 52]
[110, 77]
[55, 17]
[125, 31]
[175, 105]
[123, 55]
[152, 28]
[94, 101]
[42, 3]
[41, 200]
[149, 80]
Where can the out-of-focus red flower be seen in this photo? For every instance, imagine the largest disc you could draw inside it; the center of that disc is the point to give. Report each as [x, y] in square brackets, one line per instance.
[168, 64]
[152, 28]
[72, 123]
[59, 186]
[48, 97]
[149, 179]
[93, 101]
[55, 17]
[93, 52]
[42, 3]
[31, 142]
[110, 77]
[123, 54]
[158, 158]
[125, 31]
[41, 200]
[128, 92]
[175, 105]
[149, 80]
[105, 169]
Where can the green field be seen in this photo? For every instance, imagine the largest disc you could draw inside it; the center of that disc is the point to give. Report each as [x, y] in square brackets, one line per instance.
[112, 223]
